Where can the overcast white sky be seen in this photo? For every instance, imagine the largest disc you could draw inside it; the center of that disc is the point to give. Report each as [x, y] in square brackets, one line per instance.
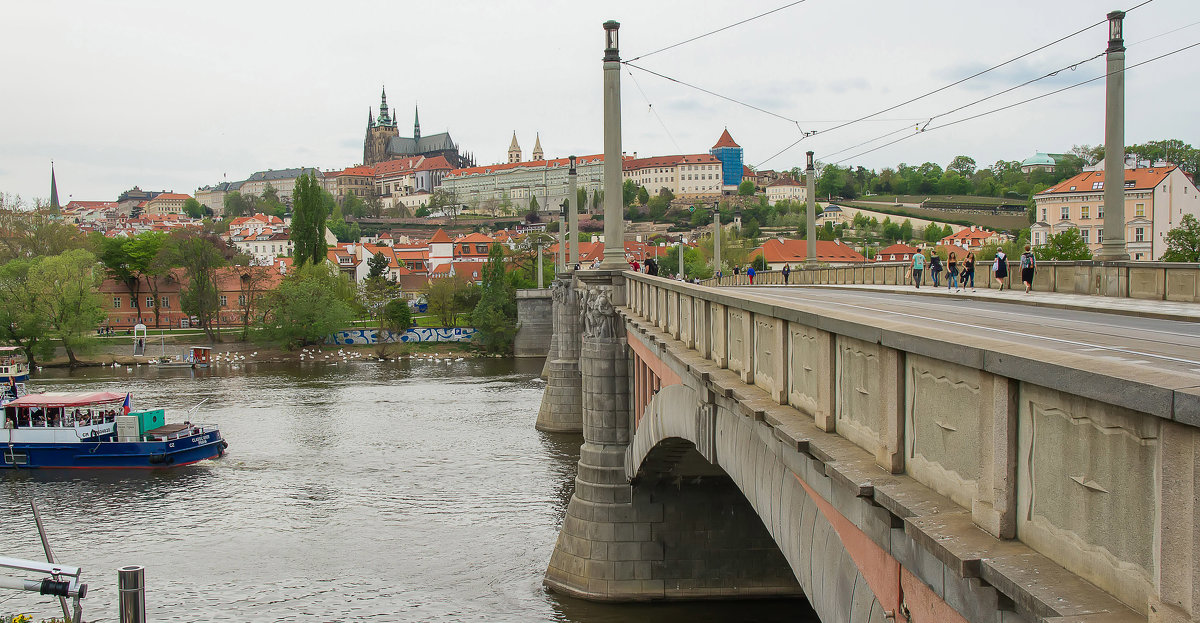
[171, 95]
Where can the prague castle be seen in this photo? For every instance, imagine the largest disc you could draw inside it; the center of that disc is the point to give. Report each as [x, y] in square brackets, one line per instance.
[383, 141]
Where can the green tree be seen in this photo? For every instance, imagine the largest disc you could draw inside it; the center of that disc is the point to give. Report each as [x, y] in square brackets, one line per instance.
[200, 259]
[962, 165]
[444, 298]
[67, 287]
[192, 208]
[377, 266]
[906, 230]
[759, 263]
[1067, 245]
[236, 205]
[643, 196]
[422, 212]
[533, 205]
[309, 305]
[22, 322]
[495, 316]
[308, 221]
[629, 192]
[746, 188]
[397, 315]
[1183, 242]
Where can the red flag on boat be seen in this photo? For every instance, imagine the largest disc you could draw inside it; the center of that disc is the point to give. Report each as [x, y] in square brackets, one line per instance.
[128, 406]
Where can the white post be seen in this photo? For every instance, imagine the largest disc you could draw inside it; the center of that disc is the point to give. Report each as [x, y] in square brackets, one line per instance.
[1113, 247]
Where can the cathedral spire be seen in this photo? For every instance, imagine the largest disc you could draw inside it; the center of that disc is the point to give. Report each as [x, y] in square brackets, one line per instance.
[370, 118]
[537, 148]
[53, 189]
[416, 124]
[514, 150]
[384, 119]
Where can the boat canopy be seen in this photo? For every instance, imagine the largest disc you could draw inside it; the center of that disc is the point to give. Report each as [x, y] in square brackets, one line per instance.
[61, 399]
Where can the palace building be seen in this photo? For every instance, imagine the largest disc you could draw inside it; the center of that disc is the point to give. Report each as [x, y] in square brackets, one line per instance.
[383, 141]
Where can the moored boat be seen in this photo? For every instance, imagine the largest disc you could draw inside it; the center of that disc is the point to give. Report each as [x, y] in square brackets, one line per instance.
[14, 366]
[192, 357]
[98, 430]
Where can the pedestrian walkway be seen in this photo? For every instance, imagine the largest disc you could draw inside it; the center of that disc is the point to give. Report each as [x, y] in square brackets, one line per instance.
[1165, 310]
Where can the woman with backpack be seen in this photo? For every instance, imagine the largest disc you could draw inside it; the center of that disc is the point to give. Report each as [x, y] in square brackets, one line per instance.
[1000, 268]
[1028, 263]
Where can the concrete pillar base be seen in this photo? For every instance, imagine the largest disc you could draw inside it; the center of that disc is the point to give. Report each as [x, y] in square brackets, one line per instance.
[562, 403]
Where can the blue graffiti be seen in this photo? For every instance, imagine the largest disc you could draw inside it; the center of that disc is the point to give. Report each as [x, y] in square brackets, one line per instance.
[363, 337]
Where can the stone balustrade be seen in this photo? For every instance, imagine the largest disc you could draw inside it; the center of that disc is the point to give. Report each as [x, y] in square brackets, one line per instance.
[1167, 281]
[1091, 464]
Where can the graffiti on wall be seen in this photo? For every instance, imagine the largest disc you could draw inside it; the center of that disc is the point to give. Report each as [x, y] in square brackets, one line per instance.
[363, 337]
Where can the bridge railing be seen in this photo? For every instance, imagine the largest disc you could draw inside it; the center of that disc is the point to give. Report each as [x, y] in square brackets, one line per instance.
[1076, 456]
[1165, 281]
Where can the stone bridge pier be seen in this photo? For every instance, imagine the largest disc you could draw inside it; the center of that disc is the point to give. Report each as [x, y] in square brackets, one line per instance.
[561, 410]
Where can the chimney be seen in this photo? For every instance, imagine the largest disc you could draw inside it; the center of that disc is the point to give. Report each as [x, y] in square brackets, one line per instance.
[972, 228]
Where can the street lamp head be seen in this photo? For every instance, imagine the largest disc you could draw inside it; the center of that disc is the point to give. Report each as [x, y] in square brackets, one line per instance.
[1116, 39]
[809, 156]
[562, 207]
[610, 41]
[571, 171]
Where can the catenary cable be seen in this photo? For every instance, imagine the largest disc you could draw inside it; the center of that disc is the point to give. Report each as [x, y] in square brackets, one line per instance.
[723, 28]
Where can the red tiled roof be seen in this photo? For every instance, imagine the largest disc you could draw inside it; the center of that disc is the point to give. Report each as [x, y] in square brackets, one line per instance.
[559, 162]
[633, 164]
[475, 237]
[1143, 179]
[434, 164]
[171, 196]
[440, 236]
[367, 171]
[784, 181]
[397, 166]
[797, 251]
[725, 141]
[902, 251]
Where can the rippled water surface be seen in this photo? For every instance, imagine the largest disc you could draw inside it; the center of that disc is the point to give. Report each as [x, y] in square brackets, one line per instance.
[355, 492]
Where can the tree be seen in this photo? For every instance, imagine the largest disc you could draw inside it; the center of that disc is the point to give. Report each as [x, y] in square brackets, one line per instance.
[629, 192]
[495, 316]
[200, 259]
[1067, 245]
[308, 221]
[533, 206]
[377, 266]
[423, 212]
[309, 305]
[1183, 242]
[22, 323]
[443, 296]
[236, 205]
[906, 230]
[192, 208]
[962, 165]
[746, 188]
[375, 293]
[132, 260]
[643, 196]
[67, 287]
[760, 262]
[252, 284]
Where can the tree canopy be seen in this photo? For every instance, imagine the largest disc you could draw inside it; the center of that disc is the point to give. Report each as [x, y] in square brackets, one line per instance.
[309, 305]
[308, 221]
[1183, 242]
[1066, 245]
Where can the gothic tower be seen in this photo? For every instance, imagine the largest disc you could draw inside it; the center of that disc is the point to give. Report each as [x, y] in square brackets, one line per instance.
[537, 148]
[379, 131]
[514, 150]
[53, 189]
[417, 127]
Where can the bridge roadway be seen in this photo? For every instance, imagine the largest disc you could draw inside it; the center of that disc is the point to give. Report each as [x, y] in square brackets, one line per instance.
[1172, 345]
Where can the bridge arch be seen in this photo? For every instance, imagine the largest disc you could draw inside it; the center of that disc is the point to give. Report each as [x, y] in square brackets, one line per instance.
[679, 436]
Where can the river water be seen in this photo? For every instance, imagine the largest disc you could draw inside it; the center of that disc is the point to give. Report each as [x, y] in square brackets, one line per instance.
[400, 491]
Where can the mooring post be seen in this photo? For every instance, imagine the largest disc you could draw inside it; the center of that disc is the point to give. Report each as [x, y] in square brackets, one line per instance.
[131, 598]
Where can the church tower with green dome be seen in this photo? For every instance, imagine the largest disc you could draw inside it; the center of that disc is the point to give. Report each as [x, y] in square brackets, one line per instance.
[379, 132]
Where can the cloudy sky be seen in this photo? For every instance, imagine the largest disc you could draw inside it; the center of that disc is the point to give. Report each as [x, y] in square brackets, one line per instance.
[171, 95]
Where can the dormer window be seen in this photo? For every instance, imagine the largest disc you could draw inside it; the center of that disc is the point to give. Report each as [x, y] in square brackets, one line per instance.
[1098, 185]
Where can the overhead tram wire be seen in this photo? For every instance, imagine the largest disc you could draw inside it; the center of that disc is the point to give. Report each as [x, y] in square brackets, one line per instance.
[650, 106]
[723, 28]
[952, 84]
[1015, 104]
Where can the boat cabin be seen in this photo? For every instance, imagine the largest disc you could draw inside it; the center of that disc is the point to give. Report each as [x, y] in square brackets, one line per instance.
[200, 356]
[63, 410]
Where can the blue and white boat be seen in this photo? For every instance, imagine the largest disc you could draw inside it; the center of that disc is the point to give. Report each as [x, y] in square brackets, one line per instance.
[98, 430]
[14, 366]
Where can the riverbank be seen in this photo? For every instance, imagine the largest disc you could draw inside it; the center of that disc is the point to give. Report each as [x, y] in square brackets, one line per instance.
[119, 351]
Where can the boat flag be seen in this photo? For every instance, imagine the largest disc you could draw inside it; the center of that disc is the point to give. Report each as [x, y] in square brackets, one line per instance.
[128, 406]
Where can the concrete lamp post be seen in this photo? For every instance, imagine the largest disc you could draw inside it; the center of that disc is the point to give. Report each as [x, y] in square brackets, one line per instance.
[810, 183]
[614, 218]
[716, 238]
[1113, 247]
[561, 256]
[572, 215]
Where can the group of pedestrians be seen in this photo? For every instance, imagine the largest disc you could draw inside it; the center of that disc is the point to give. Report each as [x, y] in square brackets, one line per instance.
[961, 275]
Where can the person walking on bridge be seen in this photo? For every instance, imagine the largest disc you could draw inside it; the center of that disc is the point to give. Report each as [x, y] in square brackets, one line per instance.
[935, 267]
[750, 274]
[968, 271]
[918, 267]
[952, 275]
[787, 272]
[1028, 263]
[1000, 268]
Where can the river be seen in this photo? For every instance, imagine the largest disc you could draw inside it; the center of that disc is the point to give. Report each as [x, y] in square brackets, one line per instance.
[400, 491]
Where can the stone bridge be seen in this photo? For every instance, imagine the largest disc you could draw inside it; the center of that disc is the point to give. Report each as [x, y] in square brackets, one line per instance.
[738, 445]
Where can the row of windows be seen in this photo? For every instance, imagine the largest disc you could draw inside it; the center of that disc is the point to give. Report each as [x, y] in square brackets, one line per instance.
[166, 301]
[1085, 212]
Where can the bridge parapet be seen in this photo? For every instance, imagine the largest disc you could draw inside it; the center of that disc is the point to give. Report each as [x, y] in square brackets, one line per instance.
[1160, 281]
[1073, 461]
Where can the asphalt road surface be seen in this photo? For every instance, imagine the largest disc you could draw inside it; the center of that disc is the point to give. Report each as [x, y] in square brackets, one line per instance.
[1165, 344]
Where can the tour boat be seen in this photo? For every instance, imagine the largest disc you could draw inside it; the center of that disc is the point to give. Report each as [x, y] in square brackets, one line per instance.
[14, 366]
[193, 357]
[98, 430]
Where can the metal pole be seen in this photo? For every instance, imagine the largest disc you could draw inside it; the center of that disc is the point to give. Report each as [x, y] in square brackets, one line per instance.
[1113, 247]
[573, 214]
[131, 594]
[810, 181]
[716, 237]
[614, 219]
[37, 519]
